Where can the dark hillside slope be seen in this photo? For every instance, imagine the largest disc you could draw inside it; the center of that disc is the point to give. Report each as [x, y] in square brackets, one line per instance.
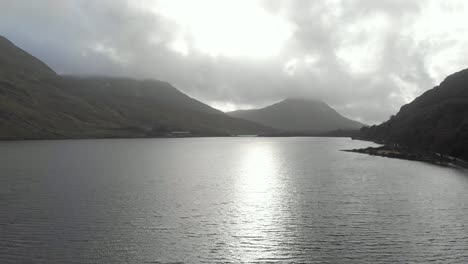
[36, 103]
[33, 104]
[153, 105]
[436, 121]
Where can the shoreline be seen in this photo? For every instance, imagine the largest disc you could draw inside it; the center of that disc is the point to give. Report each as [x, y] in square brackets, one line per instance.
[194, 135]
[413, 155]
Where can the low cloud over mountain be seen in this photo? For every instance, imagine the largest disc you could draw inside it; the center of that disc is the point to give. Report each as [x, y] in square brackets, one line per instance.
[365, 58]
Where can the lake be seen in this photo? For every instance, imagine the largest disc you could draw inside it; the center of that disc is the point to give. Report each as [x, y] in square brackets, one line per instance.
[238, 200]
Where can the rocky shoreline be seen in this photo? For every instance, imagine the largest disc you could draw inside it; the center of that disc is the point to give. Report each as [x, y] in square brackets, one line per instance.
[410, 154]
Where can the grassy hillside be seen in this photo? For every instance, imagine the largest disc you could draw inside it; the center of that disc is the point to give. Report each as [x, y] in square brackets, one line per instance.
[36, 103]
[153, 105]
[436, 121]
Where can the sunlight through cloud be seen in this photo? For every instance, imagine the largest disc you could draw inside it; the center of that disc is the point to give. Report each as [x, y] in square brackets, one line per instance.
[224, 28]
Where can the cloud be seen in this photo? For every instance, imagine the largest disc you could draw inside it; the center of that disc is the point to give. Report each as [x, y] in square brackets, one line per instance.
[366, 58]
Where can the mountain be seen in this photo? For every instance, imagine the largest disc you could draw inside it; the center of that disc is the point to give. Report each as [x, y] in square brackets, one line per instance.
[37, 103]
[299, 115]
[436, 121]
[153, 105]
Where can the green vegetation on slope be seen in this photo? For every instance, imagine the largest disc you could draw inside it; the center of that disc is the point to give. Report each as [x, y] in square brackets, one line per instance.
[437, 121]
[36, 103]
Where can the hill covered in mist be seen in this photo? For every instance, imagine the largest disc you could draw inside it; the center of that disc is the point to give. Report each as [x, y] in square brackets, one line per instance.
[299, 115]
[36, 103]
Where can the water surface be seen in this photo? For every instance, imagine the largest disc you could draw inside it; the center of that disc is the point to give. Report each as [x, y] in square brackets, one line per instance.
[226, 200]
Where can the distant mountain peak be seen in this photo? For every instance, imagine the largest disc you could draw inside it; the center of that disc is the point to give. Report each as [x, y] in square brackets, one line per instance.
[299, 115]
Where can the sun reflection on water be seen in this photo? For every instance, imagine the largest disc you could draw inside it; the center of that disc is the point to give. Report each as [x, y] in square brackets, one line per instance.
[257, 173]
[257, 232]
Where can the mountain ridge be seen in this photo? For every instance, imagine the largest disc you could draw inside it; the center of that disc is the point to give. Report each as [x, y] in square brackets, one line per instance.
[299, 115]
[37, 103]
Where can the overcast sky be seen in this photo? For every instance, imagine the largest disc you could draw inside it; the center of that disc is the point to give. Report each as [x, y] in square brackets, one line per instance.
[366, 58]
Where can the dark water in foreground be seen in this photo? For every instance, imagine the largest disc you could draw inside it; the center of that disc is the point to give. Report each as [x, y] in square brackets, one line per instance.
[226, 200]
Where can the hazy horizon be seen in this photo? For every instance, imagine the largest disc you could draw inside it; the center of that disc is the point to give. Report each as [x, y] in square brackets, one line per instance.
[364, 58]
